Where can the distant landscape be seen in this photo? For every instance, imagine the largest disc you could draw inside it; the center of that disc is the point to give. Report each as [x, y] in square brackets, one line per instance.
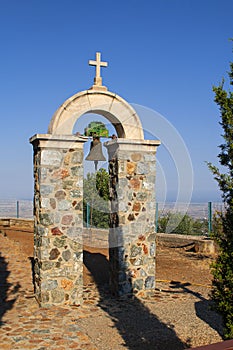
[13, 208]
[24, 208]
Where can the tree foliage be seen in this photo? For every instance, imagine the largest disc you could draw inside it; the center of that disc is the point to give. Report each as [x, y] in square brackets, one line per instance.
[96, 197]
[182, 224]
[222, 269]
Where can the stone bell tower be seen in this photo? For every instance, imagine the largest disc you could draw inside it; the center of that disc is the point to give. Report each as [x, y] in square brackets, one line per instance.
[58, 199]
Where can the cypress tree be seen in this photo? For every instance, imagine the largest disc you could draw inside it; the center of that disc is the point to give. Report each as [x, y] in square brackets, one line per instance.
[222, 268]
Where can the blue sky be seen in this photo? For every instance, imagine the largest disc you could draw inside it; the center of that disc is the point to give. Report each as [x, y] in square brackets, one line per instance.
[164, 55]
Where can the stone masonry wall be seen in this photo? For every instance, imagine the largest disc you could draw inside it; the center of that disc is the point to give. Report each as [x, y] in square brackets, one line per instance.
[132, 232]
[58, 200]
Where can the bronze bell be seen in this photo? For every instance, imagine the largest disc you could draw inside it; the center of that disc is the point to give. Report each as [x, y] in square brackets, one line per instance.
[96, 153]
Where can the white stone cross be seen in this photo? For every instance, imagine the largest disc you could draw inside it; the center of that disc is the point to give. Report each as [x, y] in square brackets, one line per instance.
[98, 64]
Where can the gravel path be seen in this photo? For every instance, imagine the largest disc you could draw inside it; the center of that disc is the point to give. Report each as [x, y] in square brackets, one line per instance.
[177, 317]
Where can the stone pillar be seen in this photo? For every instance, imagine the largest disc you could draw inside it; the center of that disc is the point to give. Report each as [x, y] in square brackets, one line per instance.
[58, 219]
[132, 227]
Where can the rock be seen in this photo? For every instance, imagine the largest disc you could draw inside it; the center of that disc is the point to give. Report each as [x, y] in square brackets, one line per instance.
[49, 285]
[51, 157]
[137, 206]
[47, 265]
[131, 167]
[52, 203]
[141, 196]
[57, 296]
[75, 193]
[76, 171]
[60, 194]
[66, 284]
[67, 219]
[59, 242]
[136, 157]
[138, 284]
[60, 174]
[46, 189]
[142, 168]
[135, 250]
[56, 231]
[150, 282]
[54, 253]
[46, 219]
[152, 249]
[135, 184]
[64, 205]
[66, 255]
[77, 157]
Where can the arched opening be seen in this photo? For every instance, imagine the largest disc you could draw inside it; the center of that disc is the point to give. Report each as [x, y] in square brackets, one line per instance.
[96, 206]
[107, 104]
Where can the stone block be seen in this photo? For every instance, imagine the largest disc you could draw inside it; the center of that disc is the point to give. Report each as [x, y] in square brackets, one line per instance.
[77, 157]
[66, 255]
[59, 242]
[63, 204]
[131, 168]
[45, 203]
[46, 219]
[75, 193]
[47, 285]
[66, 284]
[51, 157]
[136, 157]
[135, 250]
[60, 194]
[150, 282]
[141, 196]
[135, 184]
[67, 219]
[67, 184]
[138, 284]
[46, 189]
[47, 265]
[76, 171]
[57, 296]
[53, 254]
[142, 168]
[152, 249]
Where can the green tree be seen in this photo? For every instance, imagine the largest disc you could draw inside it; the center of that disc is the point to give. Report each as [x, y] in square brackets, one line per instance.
[102, 184]
[181, 224]
[222, 269]
[96, 195]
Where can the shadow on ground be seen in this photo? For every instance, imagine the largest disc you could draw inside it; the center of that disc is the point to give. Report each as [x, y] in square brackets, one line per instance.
[8, 292]
[138, 327]
[203, 308]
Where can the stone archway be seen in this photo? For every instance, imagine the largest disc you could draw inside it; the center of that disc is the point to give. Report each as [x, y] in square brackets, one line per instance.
[58, 198]
[119, 112]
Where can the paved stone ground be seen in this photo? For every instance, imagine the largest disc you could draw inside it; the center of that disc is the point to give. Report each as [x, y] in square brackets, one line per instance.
[177, 317]
[23, 324]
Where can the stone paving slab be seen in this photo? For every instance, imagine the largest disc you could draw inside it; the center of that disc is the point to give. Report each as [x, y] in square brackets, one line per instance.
[23, 324]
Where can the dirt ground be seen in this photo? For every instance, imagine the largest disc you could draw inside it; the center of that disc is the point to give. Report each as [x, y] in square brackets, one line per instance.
[172, 264]
[178, 316]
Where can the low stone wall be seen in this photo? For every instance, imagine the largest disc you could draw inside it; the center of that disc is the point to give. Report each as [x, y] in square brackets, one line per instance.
[199, 244]
[17, 224]
[99, 238]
